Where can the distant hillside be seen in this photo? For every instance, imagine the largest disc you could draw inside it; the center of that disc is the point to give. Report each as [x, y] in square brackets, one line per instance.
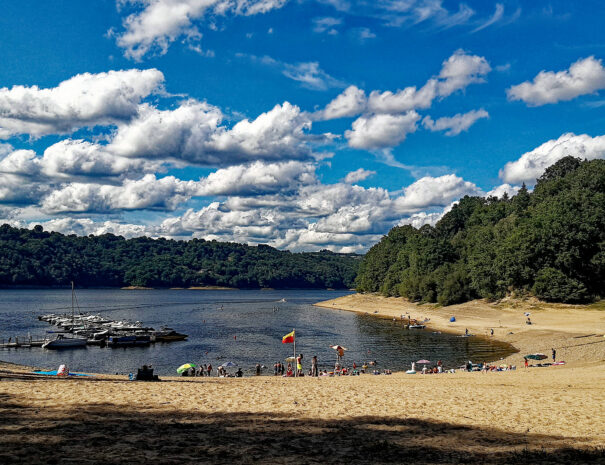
[36, 257]
[550, 243]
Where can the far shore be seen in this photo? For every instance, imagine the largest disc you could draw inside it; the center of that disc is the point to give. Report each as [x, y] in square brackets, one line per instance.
[576, 332]
[149, 288]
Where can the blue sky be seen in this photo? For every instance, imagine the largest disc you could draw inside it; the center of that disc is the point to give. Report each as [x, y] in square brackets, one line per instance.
[304, 124]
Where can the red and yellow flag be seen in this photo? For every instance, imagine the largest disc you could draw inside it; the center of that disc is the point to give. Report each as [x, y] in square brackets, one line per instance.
[288, 338]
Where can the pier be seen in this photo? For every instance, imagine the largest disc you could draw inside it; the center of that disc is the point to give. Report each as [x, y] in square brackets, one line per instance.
[22, 342]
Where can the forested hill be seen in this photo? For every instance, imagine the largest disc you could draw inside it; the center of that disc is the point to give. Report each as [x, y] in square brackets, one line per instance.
[549, 243]
[36, 257]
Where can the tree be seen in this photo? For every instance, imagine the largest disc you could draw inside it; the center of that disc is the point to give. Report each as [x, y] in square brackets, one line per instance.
[554, 286]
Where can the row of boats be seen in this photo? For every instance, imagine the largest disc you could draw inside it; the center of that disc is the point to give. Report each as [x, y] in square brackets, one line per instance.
[78, 330]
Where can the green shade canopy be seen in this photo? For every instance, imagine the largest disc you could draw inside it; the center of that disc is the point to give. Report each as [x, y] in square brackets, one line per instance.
[185, 367]
[536, 356]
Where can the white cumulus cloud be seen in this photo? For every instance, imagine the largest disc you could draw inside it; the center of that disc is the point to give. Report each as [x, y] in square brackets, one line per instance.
[418, 220]
[461, 70]
[457, 72]
[435, 191]
[258, 178]
[454, 125]
[381, 130]
[146, 193]
[585, 76]
[351, 102]
[193, 133]
[86, 226]
[358, 175]
[83, 100]
[502, 189]
[531, 165]
[72, 159]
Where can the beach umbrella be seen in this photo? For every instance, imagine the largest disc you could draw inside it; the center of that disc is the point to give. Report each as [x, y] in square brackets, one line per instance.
[339, 349]
[229, 365]
[185, 367]
[452, 319]
[536, 356]
[423, 361]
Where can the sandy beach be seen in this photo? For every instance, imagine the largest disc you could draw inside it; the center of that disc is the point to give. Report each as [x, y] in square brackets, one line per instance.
[575, 331]
[538, 415]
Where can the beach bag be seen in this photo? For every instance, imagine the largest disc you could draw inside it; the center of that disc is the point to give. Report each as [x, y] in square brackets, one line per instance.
[62, 371]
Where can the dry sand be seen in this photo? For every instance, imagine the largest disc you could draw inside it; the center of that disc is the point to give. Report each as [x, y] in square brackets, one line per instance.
[539, 415]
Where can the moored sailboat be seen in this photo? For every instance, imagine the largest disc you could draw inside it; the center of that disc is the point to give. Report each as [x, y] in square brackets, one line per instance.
[62, 341]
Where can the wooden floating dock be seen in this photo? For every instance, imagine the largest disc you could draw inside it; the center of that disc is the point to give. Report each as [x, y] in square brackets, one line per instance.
[22, 342]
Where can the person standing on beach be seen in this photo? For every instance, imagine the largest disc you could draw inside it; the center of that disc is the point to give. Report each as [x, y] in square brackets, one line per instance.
[554, 354]
[314, 371]
[299, 365]
[526, 362]
[209, 369]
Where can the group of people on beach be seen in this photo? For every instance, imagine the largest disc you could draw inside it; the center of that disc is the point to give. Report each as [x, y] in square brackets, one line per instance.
[206, 370]
[287, 370]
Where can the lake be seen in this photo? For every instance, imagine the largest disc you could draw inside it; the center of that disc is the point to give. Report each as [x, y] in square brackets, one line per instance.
[244, 327]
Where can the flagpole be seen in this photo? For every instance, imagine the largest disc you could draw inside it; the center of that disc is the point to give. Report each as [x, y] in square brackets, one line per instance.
[295, 359]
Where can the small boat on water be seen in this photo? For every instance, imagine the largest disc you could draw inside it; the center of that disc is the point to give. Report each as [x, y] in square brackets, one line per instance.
[128, 341]
[168, 335]
[64, 342]
[417, 326]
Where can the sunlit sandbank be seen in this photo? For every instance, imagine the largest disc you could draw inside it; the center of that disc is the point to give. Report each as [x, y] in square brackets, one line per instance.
[576, 332]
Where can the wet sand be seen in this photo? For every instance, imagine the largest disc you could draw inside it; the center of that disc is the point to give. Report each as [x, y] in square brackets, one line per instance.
[538, 415]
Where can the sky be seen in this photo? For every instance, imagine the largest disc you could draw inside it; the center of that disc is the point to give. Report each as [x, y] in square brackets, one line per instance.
[302, 124]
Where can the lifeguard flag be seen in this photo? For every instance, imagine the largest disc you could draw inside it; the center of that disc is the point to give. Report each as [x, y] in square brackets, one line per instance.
[288, 338]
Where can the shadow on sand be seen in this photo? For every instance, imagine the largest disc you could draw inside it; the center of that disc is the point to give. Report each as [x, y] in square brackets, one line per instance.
[104, 433]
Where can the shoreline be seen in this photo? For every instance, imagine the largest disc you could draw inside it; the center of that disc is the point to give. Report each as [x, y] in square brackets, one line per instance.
[576, 332]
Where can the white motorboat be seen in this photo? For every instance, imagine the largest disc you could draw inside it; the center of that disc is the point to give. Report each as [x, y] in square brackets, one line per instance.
[63, 342]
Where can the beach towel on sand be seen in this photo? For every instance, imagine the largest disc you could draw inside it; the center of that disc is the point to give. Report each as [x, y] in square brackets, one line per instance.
[55, 372]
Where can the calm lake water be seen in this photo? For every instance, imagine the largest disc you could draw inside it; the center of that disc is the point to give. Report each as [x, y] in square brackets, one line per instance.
[244, 327]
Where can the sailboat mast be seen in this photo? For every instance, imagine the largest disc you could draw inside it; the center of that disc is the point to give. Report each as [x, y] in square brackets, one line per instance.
[73, 315]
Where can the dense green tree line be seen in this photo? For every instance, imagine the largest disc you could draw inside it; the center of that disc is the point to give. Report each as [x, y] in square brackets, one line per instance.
[549, 243]
[37, 257]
